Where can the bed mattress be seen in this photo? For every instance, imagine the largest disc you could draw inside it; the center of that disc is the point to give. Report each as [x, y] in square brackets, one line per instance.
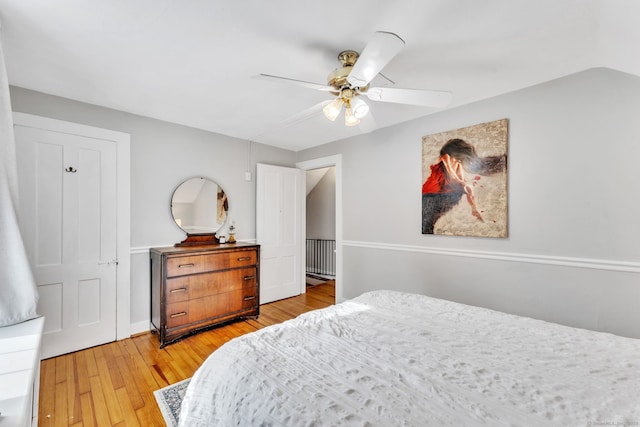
[395, 359]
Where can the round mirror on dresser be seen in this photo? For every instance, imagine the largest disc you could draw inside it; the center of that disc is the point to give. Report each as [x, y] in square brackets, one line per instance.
[200, 208]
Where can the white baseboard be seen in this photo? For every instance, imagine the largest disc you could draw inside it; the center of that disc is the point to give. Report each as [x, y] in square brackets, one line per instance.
[140, 327]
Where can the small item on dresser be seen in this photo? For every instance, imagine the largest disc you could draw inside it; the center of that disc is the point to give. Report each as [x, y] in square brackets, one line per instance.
[232, 234]
[222, 239]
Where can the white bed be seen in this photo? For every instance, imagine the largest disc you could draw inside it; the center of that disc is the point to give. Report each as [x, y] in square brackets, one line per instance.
[389, 358]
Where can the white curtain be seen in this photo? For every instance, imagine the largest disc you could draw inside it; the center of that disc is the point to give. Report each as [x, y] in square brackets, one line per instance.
[18, 294]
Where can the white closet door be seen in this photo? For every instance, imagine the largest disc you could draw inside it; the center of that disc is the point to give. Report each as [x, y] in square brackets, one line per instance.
[280, 202]
[68, 213]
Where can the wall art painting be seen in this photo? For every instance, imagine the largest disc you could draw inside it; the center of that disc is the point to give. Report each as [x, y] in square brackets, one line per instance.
[464, 181]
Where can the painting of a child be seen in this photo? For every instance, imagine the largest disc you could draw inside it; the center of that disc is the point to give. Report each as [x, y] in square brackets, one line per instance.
[464, 190]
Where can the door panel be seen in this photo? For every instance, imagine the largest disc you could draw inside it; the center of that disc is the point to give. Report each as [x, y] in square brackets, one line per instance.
[88, 208]
[89, 302]
[52, 311]
[68, 212]
[290, 197]
[279, 230]
[49, 194]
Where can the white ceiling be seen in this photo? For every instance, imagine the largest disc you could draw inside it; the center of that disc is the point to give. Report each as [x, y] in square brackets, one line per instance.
[191, 61]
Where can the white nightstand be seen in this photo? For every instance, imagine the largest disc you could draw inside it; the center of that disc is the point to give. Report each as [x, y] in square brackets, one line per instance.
[20, 373]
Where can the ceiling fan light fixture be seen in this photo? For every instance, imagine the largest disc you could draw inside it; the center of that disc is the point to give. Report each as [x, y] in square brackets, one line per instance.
[332, 109]
[349, 118]
[359, 107]
[350, 83]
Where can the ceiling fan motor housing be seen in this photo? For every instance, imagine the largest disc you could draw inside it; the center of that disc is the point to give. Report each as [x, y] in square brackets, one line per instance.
[338, 77]
[348, 57]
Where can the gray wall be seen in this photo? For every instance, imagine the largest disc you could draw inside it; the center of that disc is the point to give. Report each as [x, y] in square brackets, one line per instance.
[572, 255]
[321, 208]
[162, 156]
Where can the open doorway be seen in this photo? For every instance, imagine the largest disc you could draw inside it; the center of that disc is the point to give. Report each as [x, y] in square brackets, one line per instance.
[320, 244]
[323, 223]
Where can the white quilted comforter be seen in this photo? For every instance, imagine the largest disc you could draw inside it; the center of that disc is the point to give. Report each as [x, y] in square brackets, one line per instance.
[394, 359]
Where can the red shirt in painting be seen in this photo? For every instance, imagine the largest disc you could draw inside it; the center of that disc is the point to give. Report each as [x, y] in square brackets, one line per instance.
[439, 181]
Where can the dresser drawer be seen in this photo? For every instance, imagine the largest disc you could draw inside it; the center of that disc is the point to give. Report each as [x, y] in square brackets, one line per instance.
[177, 290]
[250, 297]
[222, 304]
[192, 264]
[177, 314]
[200, 285]
[199, 309]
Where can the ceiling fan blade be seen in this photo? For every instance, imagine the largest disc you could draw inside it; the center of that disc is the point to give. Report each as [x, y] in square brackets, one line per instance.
[295, 119]
[423, 97]
[304, 114]
[377, 53]
[302, 83]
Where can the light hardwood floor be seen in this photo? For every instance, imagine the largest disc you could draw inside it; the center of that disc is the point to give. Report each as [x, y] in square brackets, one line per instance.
[113, 384]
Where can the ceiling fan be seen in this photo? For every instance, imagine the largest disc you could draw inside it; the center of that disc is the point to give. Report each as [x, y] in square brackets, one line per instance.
[351, 81]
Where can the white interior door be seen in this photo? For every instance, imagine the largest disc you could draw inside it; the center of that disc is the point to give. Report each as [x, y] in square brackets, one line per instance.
[68, 217]
[280, 204]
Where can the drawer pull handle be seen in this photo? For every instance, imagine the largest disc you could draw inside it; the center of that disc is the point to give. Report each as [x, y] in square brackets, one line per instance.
[249, 298]
[182, 313]
[173, 291]
[244, 258]
[186, 265]
[249, 277]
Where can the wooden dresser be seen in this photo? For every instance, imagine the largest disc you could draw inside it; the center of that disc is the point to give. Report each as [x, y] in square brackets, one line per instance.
[194, 288]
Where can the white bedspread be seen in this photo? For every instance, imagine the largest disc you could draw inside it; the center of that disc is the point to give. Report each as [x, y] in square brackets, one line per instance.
[388, 358]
